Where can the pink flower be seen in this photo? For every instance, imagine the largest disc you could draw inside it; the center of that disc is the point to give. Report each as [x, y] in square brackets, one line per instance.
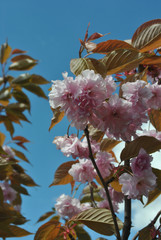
[72, 146]
[117, 118]
[9, 194]
[136, 186]
[141, 162]
[80, 97]
[155, 100]
[104, 162]
[83, 171]
[105, 203]
[67, 206]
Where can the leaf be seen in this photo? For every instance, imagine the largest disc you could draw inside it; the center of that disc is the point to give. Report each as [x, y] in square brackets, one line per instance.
[48, 231]
[21, 57]
[145, 234]
[98, 219]
[25, 64]
[157, 173]
[20, 189]
[35, 89]
[21, 139]
[16, 114]
[111, 45]
[95, 36]
[22, 79]
[57, 117]
[122, 60]
[13, 231]
[107, 144]
[5, 94]
[78, 65]
[95, 134]
[20, 155]
[87, 198]
[152, 196]
[153, 60]
[45, 216]
[2, 138]
[149, 144]
[62, 176]
[116, 185]
[21, 97]
[5, 52]
[81, 233]
[148, 36]
[17, 51]
[37, 79]
[24, 179]
[155, 118]
[9, 126]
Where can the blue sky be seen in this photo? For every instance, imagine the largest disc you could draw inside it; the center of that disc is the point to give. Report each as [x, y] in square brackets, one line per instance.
[50, 31]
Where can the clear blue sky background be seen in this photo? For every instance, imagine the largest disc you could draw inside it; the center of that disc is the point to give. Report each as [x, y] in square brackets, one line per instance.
[49, 30]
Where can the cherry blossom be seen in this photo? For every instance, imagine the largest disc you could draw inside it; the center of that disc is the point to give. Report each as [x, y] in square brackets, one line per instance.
[141, 162]
[83, 171]
[9, 194]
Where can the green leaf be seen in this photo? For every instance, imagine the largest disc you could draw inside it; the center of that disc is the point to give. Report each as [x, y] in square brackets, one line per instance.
[149, 144]
[80, 64]
[5, 52]
[25, 64]
[22, 79]
[5, 94]
[122, 60]
[62, 176]
[57, 117]
[21, 97]
[98, 219]
[37, 79]
[148, 36]
[87, 198]
[81, 233]
[35, 89]
[48, 231]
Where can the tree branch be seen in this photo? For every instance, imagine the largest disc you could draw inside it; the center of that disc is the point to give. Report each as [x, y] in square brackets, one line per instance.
[103, 183]
[127, 213]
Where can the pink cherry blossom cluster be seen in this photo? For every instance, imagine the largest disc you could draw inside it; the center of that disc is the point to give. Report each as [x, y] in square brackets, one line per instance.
[142, 180]
[67, 206]
[90, 99]
[72, 146]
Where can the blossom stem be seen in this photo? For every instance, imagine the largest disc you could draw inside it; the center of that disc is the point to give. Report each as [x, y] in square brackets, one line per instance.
[103, 183]
[127, 213]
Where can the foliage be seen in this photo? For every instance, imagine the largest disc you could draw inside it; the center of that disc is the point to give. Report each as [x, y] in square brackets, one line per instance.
[14, 106]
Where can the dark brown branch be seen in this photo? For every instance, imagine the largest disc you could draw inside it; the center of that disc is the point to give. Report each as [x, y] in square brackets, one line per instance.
[127, 213]
[103, 183]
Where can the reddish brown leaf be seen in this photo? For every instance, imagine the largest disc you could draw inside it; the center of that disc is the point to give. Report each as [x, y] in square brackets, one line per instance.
[5, 52]
[143, 26]
[62, 176]
[111, 45]
[57, 117]
[95, 36]
[155, 118]
[48, 231]
[17, 51]
[153, 60]
[21, 139]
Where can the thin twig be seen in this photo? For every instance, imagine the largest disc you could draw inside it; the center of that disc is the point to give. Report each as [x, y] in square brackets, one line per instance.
[103, 183]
